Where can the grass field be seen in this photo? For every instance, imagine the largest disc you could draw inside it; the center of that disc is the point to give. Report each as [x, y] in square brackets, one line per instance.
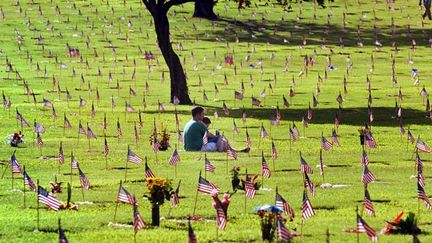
[269, 51]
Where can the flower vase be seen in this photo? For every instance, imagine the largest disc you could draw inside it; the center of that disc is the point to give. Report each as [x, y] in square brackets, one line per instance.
[155, 215]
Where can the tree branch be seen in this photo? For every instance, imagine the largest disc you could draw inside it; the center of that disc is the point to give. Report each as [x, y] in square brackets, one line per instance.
[171, 3]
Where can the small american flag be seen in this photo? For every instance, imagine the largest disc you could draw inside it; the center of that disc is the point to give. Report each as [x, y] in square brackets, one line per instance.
[314, 101]
[309, 185]
[249, 187]
[244, 116]
[282, 204]
[48, 199]
[225, 109]
[205, 138]
[136, 135]
[129, 108]
[175, 196]
[256, 102]
[339, 99]
[305, 122]
[364, 161]
[138, 221]
[423, 92]
[28, 181]
[191, 235]
[370, 141]
[293, 135]
[248, 139]
[113, 104]
[21, 119]
[175, 158]
[422, 196]
[38, 128]
[46, 103]
[176, 100]
[106, 148]
[62, 236]
[74, 163]
[325, 144]
[61, 154]
[367, 176]
[125, 196]
[309, 113]
[161, 108]
[92, 110]
[119, 130]
[206, 187]
[368, 204]
[401, 130]
[274, 151]
[132, 157]
[39, 140]
[208, 166]
[307, 210]
[53, 113]
[66, 122]
[132, 91]
[90, 133]
[238, 95]
[235, 129]
[335, 138]
[231, 152]
[263, 132]
[422, 146]
[81, 129]
[285, 102]
[410, 136]
[265, 169]
[337, 120]
[221, 219]
[84, 180]
[295, 130]
[362, 226]
[148, 172]
[282, 232]
[304, 167]
[155, 145]
[82, 102]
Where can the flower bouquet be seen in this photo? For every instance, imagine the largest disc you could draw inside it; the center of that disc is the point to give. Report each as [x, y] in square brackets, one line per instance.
[158, 190]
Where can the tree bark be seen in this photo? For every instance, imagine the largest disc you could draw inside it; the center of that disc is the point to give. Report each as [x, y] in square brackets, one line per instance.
[178, 78]
[204, 9]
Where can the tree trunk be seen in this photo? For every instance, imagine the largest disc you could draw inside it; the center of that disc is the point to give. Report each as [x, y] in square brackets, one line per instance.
[204, 9]
[178, 78]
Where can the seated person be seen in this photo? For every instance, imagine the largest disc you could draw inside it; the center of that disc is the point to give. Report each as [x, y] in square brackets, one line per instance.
[211, 145]
[194, 130]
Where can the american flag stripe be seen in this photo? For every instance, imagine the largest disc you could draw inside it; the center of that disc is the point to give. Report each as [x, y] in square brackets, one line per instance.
[304, 167]
[420, 145]
[325, 144]
[362, 226]
[175, 158]
[148, 172]
[282, 204]
[422, 196]
[208, 166]
[367, 176]
[282, 232]
[308, 184]
[249, 188]
[307, 210]
[206, 187]
[368, 204]
[221, 219]
[274, 151]
[364, 161]
[125, 196]
[265, 169]
[28, 181]
[84, 180]
[138, 221]
[175, 199]
[48, 199]
[132, 157]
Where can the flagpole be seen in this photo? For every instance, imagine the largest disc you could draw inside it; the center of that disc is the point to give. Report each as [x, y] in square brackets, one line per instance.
[117, 202]
[37, 207]
[227, 161]
[72, 157]
[24, 191]
[126, 166]
[12, 178]
[82, 191]
[322, 165]
[245, 197]
[196, 198]
[205, 171]
[357, 232]
[175, 166]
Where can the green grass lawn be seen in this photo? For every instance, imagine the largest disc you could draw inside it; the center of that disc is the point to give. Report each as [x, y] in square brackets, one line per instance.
[269, 51]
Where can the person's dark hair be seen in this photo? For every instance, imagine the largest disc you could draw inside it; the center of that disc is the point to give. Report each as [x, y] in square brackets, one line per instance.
[197, 110]
[206, 121]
